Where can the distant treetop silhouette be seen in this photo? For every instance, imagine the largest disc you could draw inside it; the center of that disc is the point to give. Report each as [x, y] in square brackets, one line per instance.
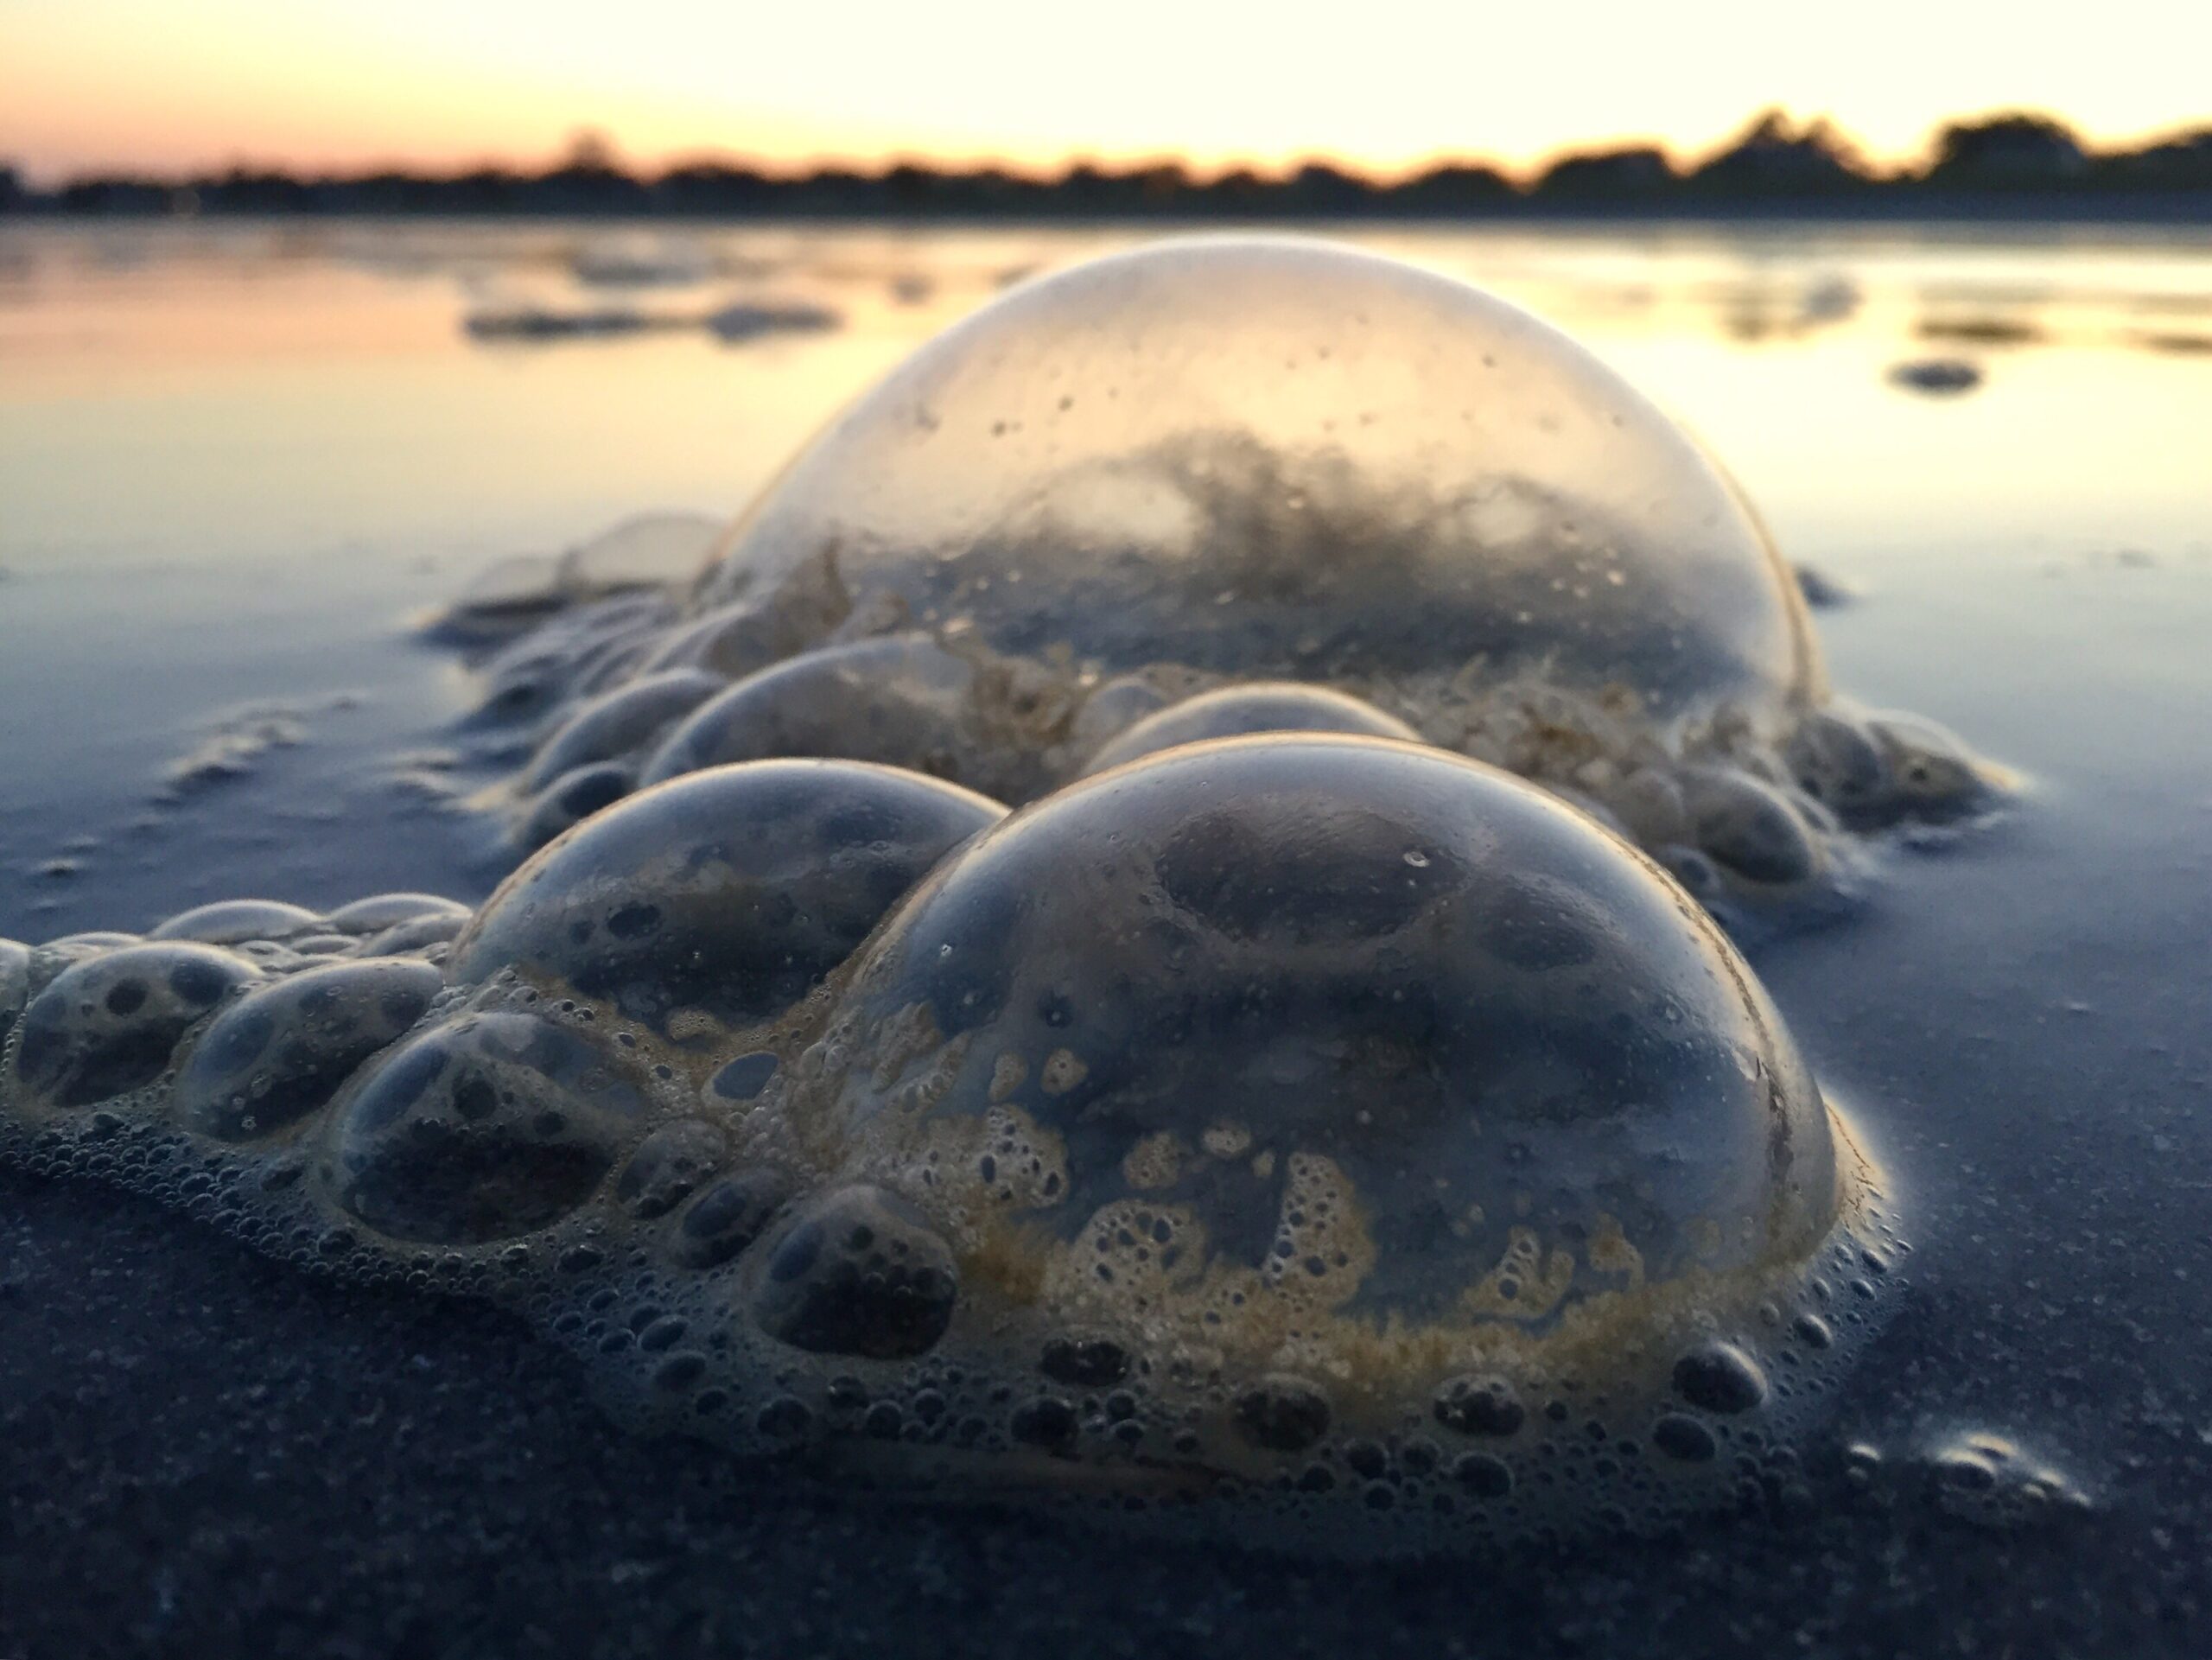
[2012, 163]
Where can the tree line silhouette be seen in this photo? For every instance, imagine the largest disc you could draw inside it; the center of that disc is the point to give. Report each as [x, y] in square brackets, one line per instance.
[2016, 163]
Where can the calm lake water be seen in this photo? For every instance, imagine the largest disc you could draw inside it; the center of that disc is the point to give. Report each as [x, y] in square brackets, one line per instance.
[238, 463]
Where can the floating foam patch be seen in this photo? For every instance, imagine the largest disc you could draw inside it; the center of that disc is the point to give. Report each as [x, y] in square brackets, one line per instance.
[1323, 1140]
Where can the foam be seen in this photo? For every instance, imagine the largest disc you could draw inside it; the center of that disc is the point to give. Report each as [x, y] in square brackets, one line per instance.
[1321, 1139]
[1239, 710]
[1358, 1141]
[722, 898]
[1272, 476]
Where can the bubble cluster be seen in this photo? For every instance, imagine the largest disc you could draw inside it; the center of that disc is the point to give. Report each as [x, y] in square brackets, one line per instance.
[1975, 1476]
[1325, 1111]
[1244, 484]
[1992, 1481]
[1321, 1139]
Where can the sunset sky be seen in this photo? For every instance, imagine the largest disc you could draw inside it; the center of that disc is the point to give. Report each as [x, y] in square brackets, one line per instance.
[171, 86]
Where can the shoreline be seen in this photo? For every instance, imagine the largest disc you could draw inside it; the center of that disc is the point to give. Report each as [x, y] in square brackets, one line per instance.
[2184, 210]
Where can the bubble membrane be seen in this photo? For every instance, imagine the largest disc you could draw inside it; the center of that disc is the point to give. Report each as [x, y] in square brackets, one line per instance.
[1324, 1143]
[1273, 465]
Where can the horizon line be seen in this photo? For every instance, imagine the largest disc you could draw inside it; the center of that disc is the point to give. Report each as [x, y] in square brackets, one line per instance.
[589, 145]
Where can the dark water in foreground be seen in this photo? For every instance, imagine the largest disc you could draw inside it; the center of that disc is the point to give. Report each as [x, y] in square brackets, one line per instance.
[234, 464]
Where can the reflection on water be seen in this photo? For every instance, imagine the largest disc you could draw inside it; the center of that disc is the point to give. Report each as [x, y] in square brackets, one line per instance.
[197, 391]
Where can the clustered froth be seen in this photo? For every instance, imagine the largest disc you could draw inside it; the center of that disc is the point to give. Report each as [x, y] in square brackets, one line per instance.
[1268, 1133]
[1222, 487]
[1324, 1108]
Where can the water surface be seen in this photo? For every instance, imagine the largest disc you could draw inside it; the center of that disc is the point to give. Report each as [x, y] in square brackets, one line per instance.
[236, 461]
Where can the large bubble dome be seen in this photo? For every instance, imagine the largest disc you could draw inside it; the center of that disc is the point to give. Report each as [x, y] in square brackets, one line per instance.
[1206, 464]
[1285, 459]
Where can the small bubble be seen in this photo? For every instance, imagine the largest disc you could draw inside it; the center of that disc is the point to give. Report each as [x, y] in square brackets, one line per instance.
[1721, 1378]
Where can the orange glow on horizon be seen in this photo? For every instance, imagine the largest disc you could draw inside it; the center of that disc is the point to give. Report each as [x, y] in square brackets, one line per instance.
[344, 85]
